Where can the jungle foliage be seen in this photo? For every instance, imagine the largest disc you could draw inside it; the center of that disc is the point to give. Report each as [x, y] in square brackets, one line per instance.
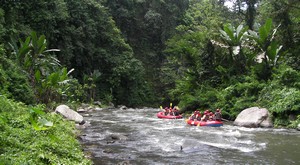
[197, 53]
[90, 44]
[54, 139]
[239, 61]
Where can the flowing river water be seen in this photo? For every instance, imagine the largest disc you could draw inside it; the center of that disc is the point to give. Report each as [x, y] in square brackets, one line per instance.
[137, 136]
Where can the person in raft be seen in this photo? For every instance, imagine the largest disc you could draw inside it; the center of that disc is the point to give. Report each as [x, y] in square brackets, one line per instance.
[211, 116]
[196, 116]
[193, 116]
[166, 111]
[218, 115]
[175, 111]
[205, 116]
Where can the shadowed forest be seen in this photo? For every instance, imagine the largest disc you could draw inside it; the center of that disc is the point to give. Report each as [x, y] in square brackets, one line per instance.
[194, 53]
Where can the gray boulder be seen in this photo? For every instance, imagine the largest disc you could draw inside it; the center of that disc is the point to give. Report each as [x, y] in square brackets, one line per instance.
[254, 117]
[298, 128]
[69, 114]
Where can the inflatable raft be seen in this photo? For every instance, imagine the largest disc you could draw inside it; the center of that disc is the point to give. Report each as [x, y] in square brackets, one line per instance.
[205, 123]
[163, 116]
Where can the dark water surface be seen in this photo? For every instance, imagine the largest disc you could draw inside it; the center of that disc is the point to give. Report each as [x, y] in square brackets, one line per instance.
[137, 136]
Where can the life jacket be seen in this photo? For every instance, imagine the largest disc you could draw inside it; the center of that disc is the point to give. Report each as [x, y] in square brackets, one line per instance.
[175, 112]
[192, 117]
[205, 117]
[198, 117]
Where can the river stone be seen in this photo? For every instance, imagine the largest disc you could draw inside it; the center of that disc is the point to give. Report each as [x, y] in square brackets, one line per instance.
[298, 128]
[117, 137]
[254, 117]
[69, 114]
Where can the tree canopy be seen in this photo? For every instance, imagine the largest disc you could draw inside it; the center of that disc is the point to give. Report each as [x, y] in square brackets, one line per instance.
[195, 53]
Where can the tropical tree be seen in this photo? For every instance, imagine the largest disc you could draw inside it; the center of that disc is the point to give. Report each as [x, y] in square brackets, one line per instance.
[42, 68]
[234, 38]
[285, 13]
[269, 48]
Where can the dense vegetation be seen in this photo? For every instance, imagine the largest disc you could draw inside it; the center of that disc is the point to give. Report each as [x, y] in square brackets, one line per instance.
[225, 63]
[31, 136]
[199, 54]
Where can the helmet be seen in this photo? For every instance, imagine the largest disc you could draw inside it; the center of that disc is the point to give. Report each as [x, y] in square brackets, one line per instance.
[206, 111]
[218, 110]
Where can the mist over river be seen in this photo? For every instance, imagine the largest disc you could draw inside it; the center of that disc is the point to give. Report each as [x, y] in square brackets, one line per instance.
[137, 136]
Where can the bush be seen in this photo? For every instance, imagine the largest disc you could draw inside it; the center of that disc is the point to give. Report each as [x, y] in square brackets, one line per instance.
[14, 83]
[55, 145]
[281, 95]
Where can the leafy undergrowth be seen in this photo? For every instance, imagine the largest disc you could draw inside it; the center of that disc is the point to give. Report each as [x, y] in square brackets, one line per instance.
[30, 136]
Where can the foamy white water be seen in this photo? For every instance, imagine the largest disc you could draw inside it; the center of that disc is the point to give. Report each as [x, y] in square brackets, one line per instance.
[139, 137]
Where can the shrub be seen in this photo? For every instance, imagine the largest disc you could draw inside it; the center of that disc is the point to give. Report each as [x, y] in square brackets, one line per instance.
[14, 83]
[55, 145]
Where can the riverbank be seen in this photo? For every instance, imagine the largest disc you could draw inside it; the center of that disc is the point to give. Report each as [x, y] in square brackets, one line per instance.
[31, 136]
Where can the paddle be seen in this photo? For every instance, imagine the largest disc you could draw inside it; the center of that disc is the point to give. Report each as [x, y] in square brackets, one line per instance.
[225, 120]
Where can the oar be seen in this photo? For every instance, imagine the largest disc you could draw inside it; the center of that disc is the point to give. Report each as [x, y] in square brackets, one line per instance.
[170, 105]
[161, 108]
[225, 120]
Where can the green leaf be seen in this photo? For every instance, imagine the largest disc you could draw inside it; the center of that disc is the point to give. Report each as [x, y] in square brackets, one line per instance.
[53, 79]
[36, 110]
[37, 76]
[239, 30]
[268, 26]
[41, 44]
[272, 51]
[34, 41]
[224, 35]
[45, 122]
[230, 32]
[263, 34]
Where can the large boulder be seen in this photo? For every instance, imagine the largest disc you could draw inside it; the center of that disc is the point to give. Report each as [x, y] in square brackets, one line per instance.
[254, 117]
[69, 114]
[298, 128]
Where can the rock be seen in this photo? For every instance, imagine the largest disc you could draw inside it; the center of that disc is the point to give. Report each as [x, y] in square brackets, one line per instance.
[108, 151]
[98, 109]
[83, 105]
[69, 114]
[97, 103]
[123, 107]
[298, 128]
[83, 125]
[81, 110]
[119, 137]
[90, 108]
[254, 117]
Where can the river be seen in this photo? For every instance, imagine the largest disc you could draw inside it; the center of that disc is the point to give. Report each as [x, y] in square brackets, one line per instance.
[137, 136]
